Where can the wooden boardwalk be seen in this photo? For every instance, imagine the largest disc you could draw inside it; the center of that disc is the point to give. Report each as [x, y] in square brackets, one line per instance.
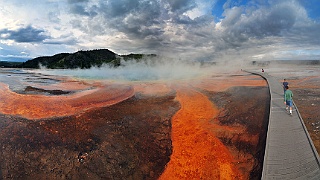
[290, 153]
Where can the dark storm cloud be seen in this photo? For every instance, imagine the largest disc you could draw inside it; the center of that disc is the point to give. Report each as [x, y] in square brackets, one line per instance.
[80, 7]
[62, 41]
[304, 36]
[137, 19]
[181, 5]
[261, 23]
[77, 1]
[121, 8]
[80, 10]
[140, 20]
[27, 34]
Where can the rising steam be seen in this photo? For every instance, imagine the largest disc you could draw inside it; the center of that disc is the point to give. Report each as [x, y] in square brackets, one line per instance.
[146, 70]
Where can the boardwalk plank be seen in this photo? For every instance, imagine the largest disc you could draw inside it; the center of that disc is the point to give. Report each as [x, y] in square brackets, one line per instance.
[290, 153]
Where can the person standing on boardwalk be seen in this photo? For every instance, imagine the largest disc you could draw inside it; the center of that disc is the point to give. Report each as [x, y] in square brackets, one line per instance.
[288, 99]
[285, 83]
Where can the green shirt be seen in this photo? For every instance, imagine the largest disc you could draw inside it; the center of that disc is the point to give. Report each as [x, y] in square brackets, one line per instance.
[288, 95]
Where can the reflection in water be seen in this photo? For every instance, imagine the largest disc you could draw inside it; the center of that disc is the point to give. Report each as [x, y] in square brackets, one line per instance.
[17, 79]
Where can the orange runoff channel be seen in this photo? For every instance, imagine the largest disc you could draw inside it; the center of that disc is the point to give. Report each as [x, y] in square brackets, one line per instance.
[197, 153]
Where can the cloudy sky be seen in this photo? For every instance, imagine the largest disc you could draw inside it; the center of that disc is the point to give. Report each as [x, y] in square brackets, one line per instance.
[189, 29]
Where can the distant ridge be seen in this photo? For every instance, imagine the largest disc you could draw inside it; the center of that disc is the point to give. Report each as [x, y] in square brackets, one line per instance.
[8, 64]
[81, 59]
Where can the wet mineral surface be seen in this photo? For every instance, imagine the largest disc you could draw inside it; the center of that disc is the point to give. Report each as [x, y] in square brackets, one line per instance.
[212, 128]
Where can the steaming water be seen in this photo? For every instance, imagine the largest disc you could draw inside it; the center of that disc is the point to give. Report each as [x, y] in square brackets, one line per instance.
[18, 79]
[136, 71]
[294, 71]
[168, 71]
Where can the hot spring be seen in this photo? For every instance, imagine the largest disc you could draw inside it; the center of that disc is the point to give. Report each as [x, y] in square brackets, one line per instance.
[136, 121]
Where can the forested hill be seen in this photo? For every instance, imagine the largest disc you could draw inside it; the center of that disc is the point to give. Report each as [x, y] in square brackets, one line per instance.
[80, 59]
